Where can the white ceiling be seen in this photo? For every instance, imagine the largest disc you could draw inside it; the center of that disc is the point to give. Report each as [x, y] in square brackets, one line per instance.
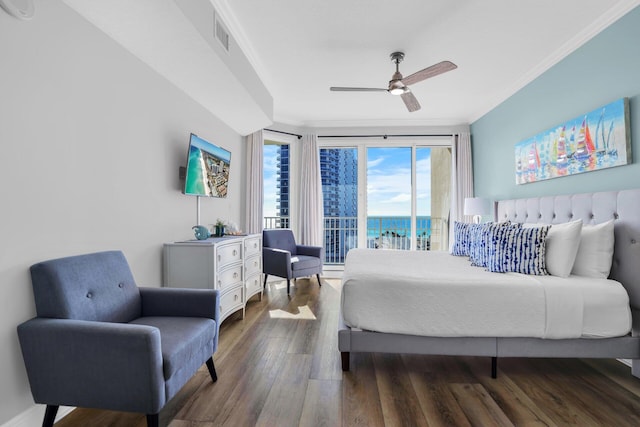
[302, 47]
[299, 48]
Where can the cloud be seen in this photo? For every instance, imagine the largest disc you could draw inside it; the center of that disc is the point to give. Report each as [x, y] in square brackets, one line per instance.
[400, 198]
[375, 162]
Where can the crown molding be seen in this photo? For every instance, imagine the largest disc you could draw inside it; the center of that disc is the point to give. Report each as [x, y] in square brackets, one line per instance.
[604, 21]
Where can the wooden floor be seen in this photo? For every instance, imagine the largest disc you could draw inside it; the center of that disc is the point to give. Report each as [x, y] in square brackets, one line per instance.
[280, 366]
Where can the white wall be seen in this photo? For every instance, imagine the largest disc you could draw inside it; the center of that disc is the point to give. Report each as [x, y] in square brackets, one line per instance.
[90, 144]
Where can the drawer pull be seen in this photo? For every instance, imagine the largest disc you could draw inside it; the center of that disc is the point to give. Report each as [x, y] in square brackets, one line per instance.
[235, 297]
[255, 245]
[235, 274]
[235, 252]
[219, 282]
[219, 258]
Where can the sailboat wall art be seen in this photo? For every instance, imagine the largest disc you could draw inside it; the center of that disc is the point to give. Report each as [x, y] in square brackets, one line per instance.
[598, 140]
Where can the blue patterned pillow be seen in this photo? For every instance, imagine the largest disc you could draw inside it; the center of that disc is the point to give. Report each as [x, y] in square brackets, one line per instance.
[479, 252]
[476, 244]
[518, 250]
[460, 239]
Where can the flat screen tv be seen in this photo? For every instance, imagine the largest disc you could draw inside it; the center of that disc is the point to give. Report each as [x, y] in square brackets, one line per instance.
[207, 172]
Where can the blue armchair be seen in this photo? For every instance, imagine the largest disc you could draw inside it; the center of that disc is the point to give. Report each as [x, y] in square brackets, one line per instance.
[99, 341]
[282, 257]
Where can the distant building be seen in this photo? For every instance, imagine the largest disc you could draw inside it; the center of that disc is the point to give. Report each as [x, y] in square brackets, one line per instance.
[339, 173]
[282, 201]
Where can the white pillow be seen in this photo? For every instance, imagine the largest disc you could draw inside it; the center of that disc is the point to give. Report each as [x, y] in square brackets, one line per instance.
[595, 252]
[562, 244]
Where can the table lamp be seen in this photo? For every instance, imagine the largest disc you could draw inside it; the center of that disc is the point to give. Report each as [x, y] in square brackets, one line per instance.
[476, 206]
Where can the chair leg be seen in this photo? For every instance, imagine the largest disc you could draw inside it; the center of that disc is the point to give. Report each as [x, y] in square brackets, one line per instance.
[319, 281]
[265, 281]
[50, 415]
[152, 420]
[212, 369]
[288, 286]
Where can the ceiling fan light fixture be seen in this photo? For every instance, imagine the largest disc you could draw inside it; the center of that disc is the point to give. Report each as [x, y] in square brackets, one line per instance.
[399, 85]
[396, 87]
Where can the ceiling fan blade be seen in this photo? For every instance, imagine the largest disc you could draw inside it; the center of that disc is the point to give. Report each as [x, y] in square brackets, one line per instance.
[410, 101]
[356, 89]
[432, 71]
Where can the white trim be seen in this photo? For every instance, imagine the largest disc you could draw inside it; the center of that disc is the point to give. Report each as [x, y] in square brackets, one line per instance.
[391, 141]
[361, 144]
[440, 122]
[281, 138]
[34, 416]
[604, 21]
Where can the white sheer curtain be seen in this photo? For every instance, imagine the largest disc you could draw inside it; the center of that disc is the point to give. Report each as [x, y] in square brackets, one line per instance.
[253, 220]
[310, 217]
[461, 178]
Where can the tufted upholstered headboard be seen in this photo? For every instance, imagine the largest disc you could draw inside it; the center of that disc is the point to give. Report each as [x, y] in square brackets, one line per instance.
[592, 208]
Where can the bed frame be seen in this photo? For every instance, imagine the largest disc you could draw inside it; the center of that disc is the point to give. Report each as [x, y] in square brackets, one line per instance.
[592, 208]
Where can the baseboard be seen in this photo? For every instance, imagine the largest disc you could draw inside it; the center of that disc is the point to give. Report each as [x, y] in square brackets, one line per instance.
[34, 416]
[625, 362]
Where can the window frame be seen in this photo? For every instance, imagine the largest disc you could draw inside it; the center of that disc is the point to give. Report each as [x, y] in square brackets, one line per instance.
[361, 144]
[276, 138]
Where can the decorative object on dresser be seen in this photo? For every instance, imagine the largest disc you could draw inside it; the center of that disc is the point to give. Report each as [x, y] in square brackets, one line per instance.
[284, 258]
[99, 341]
[201, 232]
[230, 264]
[219, 228]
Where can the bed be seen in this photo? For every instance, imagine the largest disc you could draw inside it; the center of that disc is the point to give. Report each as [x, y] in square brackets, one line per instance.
[535, 316]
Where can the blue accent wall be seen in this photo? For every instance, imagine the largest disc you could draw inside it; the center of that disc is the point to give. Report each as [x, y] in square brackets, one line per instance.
[604, 69]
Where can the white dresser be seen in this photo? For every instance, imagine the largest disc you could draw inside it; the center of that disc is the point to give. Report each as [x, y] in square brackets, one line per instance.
[231, 264]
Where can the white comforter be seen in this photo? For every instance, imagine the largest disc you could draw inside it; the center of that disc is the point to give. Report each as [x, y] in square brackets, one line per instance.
[438, 294]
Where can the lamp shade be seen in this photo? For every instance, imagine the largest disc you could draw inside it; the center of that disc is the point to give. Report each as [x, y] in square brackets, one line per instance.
[476, 206]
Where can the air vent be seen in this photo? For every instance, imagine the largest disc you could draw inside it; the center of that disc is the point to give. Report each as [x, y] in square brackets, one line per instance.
[221, 33]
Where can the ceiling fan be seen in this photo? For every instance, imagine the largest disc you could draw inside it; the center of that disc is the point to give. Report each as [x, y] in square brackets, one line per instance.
[399, 85]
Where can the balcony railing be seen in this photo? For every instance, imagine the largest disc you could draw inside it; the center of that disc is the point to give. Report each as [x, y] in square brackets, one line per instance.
[383, 232]
[275, 222]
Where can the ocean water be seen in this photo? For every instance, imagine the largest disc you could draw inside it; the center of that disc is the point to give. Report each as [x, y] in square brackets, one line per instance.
[401, 225]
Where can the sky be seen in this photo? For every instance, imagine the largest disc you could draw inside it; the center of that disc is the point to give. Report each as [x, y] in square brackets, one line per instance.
[269, 165]
[388, 181]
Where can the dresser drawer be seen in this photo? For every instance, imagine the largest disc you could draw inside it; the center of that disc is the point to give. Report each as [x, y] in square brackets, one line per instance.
[229, 253]
[253, 285]
[230, 301]
[252, 246]
[229, 276]
[252, 266]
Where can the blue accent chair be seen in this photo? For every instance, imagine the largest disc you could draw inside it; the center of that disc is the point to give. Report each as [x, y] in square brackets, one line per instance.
[282, 257]
[100, 341]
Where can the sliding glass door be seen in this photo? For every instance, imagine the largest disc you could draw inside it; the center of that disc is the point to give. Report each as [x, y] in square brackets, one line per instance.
[385, 196]
[339, 173]
[389, 197]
